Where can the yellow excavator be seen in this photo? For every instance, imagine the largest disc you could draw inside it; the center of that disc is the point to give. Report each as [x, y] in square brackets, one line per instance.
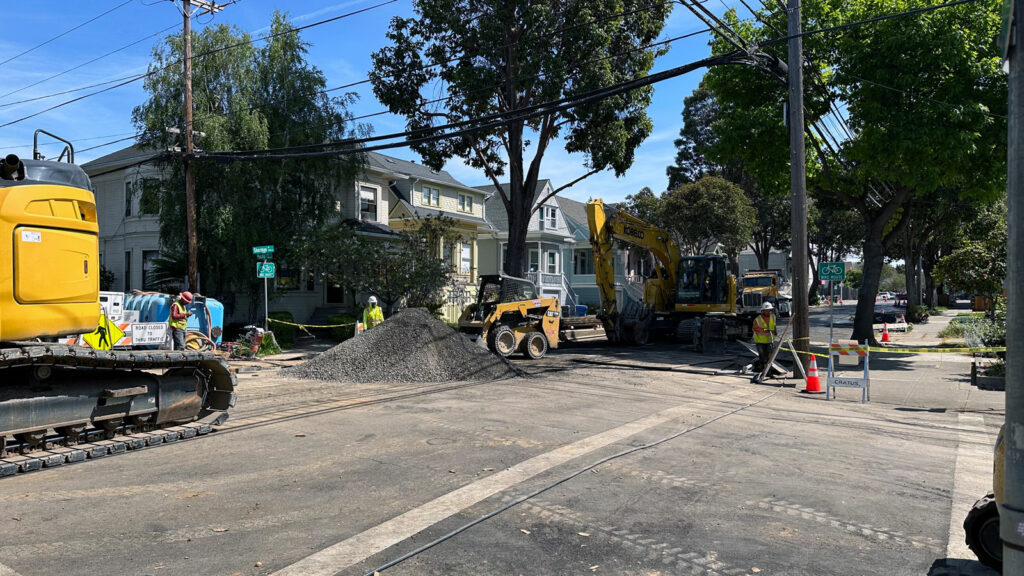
[53, 397]
[692, 297]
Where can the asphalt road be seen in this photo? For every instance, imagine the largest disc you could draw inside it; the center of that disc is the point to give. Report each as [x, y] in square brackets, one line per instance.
[313, 478]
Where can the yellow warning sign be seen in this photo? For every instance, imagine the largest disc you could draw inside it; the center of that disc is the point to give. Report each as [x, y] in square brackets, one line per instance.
[105, 336]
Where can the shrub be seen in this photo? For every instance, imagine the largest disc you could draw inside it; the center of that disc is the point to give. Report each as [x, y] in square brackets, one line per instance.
[285, 333]
[918, 313]
[344, 332]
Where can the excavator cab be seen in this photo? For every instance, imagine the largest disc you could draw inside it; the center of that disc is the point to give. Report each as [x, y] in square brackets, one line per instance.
[702, 282]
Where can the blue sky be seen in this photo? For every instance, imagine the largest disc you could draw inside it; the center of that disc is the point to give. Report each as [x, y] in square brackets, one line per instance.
[340, 49]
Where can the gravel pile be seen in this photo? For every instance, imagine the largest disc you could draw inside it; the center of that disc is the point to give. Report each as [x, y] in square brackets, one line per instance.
[411, 346]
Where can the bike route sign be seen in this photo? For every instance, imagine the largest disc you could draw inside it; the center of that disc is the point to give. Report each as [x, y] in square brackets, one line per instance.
[832, 271]
[265, 269]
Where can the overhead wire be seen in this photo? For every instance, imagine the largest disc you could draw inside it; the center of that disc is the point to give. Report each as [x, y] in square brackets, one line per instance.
[66, 32]
[138, 77]
[72, 69]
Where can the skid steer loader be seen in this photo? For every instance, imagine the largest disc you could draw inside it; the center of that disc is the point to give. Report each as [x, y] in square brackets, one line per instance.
[509, 316]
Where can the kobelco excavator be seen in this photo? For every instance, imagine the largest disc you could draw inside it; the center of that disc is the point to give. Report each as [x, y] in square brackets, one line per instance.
[687, 296]
[59, 403]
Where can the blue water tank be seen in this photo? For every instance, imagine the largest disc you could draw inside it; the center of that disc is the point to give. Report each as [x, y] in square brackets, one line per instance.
[581, 309]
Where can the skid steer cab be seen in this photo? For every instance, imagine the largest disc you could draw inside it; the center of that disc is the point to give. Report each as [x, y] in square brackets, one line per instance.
[509, 316]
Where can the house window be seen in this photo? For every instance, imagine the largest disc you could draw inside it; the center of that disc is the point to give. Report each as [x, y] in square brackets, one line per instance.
[467, 258]
[367, 203]
[431, 196]
[310, 280]
[447, 255]
[534, 260]
[128, 198]
[127, 270]
[550, 218]
[149, 269]
[465, 203]
[149, 197]
[552, 263]
[583, 261]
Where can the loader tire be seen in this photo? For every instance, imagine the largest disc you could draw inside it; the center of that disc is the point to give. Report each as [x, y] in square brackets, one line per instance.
[535, 345]
[502, 341]
[982, 530]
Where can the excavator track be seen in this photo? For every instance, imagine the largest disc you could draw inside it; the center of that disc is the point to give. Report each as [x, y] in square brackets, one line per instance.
[62, 404]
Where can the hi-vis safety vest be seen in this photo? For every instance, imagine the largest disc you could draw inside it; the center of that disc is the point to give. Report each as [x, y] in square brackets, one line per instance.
[178, 323]
[372, 316]
[763, 329]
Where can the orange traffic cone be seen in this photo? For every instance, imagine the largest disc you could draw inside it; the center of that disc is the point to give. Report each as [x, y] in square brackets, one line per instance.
[840, 300]
[813, 381]
[885, 332]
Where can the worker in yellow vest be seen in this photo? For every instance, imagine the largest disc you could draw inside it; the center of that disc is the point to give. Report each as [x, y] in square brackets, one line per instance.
[372, 314]
[764, 337]
[178, 321]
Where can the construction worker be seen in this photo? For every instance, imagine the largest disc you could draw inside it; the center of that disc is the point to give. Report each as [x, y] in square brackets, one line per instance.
[179, 320]
[764, 337]
[372, 314]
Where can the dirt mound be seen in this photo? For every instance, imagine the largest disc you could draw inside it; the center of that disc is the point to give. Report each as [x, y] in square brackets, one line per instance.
[411, 346]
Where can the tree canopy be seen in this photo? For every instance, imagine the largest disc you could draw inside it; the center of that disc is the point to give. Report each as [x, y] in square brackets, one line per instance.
[244, 98]
[500, 57]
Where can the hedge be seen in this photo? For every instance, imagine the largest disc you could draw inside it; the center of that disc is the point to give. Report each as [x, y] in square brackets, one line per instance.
[284, 333]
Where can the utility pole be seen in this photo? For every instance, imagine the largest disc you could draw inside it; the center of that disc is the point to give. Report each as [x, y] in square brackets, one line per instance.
[1011, 515]
[203, 7]
[798, 185]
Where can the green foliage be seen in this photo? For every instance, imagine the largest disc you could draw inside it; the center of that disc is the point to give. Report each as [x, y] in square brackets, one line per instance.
[989, 331]
[342, 333]
[978, 264]
[500, 57]
[406, 267]
[917, 314]
[107, 278]
[854, 277]
[245, 97]
[285, 333]
[268, 345]
[711, 209]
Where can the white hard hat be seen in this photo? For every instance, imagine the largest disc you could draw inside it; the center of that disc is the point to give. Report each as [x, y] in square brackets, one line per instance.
[373, 300]
[767, 306]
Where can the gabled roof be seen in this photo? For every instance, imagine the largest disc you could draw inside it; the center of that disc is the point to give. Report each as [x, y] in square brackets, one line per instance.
[495, 211]
[370, 228]
[399, 167]
[122, 158]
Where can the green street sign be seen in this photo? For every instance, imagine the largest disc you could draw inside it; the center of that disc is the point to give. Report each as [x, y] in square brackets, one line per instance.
[262, 250]
[265, 270]
[832, 271]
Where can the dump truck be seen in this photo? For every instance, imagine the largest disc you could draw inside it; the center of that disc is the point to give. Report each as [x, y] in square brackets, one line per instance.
[53, 395]
[760, 286]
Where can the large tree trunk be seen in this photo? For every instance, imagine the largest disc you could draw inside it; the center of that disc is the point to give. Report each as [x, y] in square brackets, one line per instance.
[813, 293]
[874, 259]
[518, 225]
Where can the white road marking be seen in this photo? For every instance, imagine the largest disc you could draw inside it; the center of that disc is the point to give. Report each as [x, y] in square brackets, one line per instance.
[355, 549]
[972, 478]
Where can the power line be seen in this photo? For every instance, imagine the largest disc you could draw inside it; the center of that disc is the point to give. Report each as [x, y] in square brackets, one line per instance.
[66, 32]
[136, 78]
[83, 64]
[490, 121]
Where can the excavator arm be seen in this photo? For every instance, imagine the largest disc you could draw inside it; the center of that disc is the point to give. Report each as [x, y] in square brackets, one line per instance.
[607, 224]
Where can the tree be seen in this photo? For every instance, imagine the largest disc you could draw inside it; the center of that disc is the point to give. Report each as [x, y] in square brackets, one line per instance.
[497, 57]
[707, 211]
[697, 140]
[926, 102]
[978, 264]
[407, 267]
[244, 98]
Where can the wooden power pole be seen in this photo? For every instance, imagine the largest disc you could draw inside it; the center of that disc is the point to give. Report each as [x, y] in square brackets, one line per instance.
[798, 185]
[202, 7]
